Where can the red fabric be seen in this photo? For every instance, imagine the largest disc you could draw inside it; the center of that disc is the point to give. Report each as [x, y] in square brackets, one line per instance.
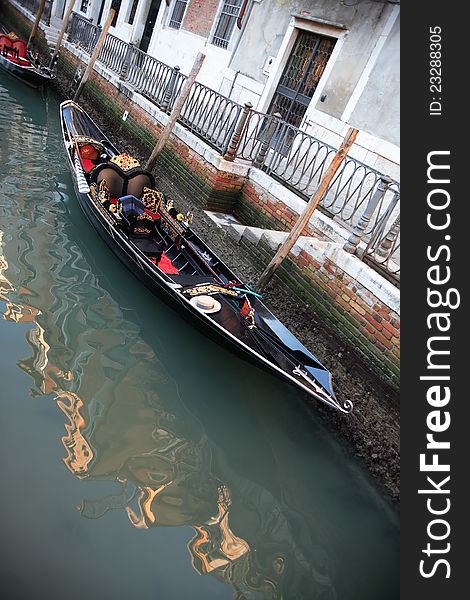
[166, 266]
[20, 45]
[152, 214]
[245, 310]
[4, 41]
[87, 164]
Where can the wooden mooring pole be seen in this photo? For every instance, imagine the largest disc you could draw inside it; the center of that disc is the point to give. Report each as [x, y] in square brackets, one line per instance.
[95, 54]
[42, 4]
[312, 204]
[62, 32]
[175, 113]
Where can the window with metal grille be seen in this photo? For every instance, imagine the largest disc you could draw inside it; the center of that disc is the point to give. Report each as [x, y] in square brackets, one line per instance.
[84, 6]
[226, 22]
[116, 4]
[131, 17]
[176, 18]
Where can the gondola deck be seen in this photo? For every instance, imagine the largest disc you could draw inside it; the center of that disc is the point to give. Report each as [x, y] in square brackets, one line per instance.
[157, 243]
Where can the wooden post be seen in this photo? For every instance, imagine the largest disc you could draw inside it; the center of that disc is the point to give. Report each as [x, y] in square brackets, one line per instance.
[62, 32]
[312, 204]
[175, 113]
[95, 54]
[42, 4]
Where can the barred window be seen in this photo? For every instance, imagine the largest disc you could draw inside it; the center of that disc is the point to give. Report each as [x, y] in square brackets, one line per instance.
[226, 23]
[84, 6]
[176, 18]
[131, 17]
[116, 4]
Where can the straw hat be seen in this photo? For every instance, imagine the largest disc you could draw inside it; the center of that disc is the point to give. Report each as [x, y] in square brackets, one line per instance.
[206, 304]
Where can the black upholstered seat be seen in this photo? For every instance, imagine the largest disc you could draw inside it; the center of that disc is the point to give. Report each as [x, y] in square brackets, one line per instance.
[122, 183]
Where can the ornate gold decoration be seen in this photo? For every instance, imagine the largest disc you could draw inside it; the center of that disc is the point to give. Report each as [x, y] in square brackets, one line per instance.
[210, 289]
[152, 199]
[103, 192]
[125, 162]
[93, 192]
[144, 230]
[83, 140]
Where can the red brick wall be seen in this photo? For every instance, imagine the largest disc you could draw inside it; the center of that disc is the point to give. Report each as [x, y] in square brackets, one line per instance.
[199, 16]
[375, 321]
[270, 212]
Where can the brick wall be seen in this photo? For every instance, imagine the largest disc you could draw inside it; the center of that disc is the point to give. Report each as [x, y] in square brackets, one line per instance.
[368, 325]
[200, 15]
[256, 207]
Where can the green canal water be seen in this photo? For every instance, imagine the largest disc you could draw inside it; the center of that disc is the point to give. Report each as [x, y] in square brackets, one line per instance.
[137, 458]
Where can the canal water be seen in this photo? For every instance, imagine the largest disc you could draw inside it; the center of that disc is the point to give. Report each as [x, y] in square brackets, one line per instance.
[137, 458]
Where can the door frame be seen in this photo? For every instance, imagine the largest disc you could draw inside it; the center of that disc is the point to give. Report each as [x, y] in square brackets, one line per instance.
[145, 23]
[297, 25]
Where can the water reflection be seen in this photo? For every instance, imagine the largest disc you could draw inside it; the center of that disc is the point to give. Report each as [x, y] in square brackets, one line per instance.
[164, 422]
[122, 428]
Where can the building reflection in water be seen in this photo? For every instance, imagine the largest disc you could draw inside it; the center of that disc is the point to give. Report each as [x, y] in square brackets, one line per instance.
[120, 427]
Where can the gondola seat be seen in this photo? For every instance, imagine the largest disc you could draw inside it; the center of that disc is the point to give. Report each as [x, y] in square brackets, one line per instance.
[20, 45]
[122, 183]
[15, 50]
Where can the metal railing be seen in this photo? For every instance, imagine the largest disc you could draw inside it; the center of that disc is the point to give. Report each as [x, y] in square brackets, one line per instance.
[360, 197]
[82, 33]
[211, 116]
[113, 53]
[153, 79]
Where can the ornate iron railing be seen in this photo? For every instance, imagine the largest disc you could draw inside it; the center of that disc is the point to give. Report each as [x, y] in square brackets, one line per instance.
[211, 116]
[361, 198]
[113, 53]
[154, 79]
[82, 33]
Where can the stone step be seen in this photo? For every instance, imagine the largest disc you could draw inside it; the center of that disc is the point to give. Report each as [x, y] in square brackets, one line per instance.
[271, 237]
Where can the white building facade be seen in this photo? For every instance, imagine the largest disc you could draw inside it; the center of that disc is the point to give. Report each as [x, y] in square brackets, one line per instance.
[324, 66]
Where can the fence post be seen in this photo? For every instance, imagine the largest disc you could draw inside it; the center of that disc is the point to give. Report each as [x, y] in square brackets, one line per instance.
[358, 231]
[386, 244]
[42, 4]
[269, 134]
[95, 54]
[127, 61]
[94, 39]
[175, 113]
[170, 89]
[312, 204]
[233, 146]
[62, 32]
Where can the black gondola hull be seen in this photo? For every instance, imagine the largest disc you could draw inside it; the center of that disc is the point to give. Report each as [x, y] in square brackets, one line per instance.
[171, 298]
[29, 76]
[268, 344]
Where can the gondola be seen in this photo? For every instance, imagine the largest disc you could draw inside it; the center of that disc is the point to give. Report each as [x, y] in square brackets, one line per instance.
[16, 59]
[158, 245]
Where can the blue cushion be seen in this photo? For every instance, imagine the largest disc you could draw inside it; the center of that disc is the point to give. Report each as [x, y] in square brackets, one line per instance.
[131, 206]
